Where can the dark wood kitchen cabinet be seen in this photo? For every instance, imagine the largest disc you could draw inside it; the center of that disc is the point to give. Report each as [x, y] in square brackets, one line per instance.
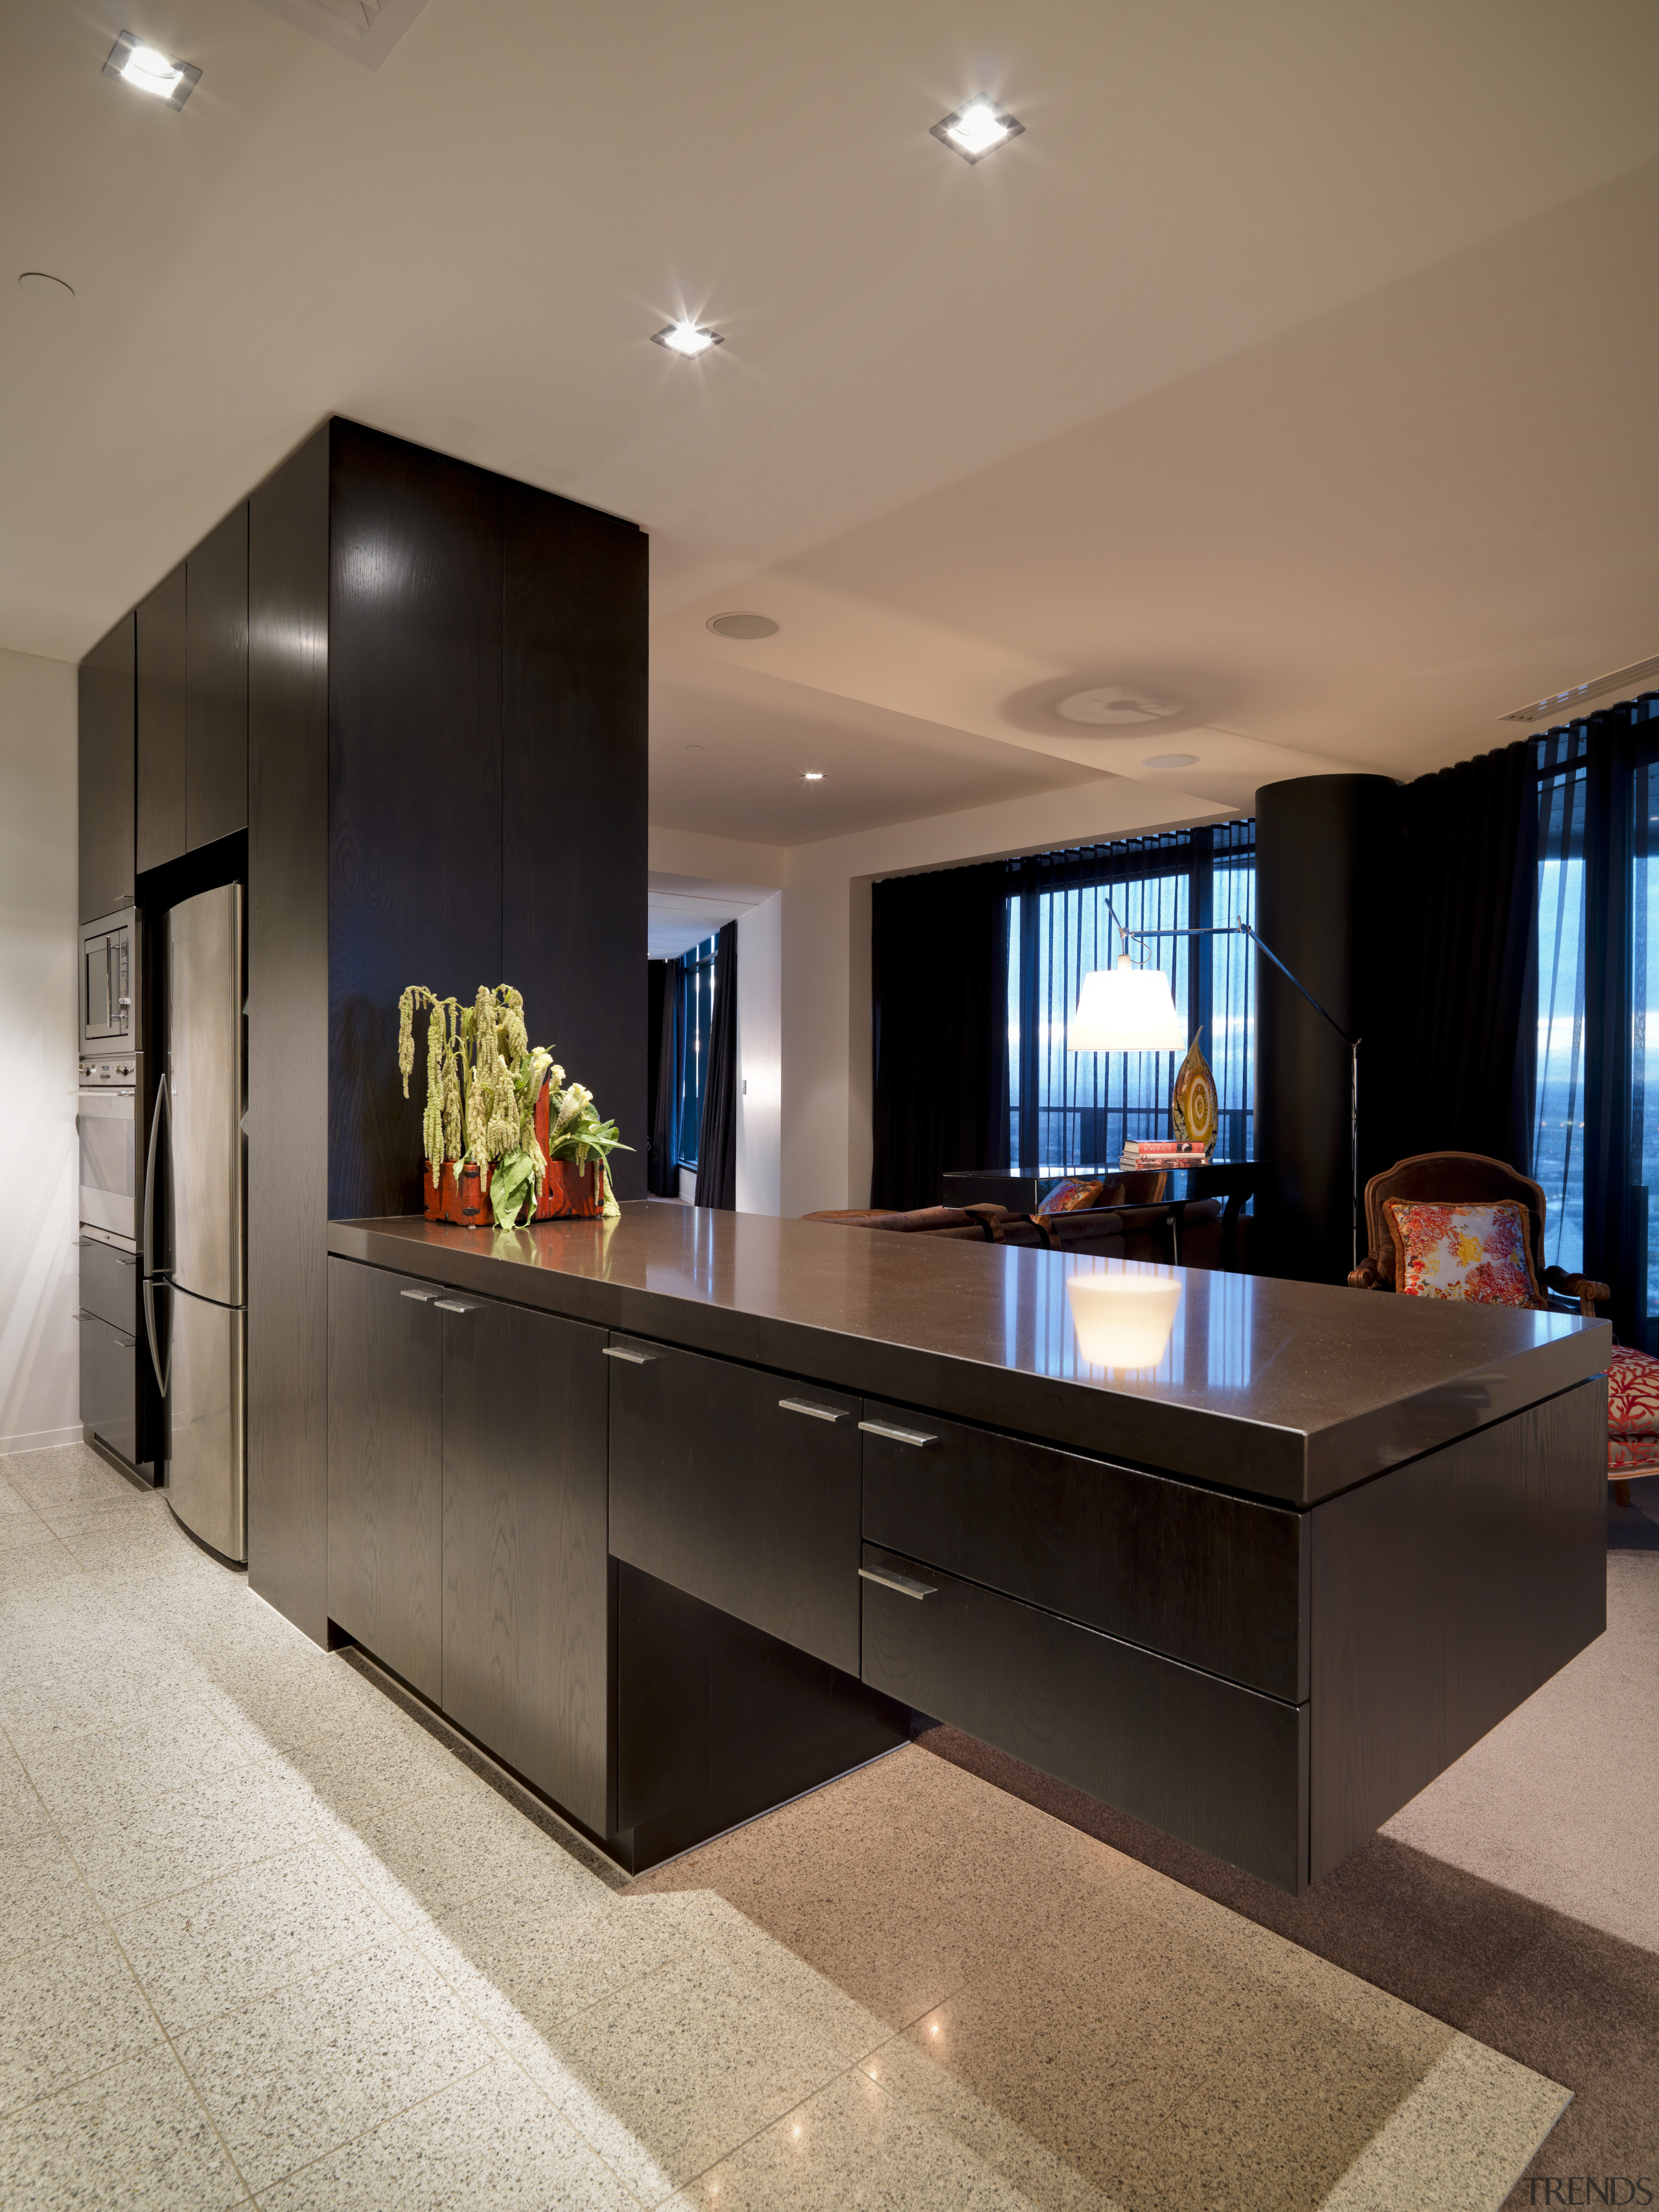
[526, 1603]
[741, 1488]
[215, 708]
[162, 654]
[385, 1469]
[107, 772]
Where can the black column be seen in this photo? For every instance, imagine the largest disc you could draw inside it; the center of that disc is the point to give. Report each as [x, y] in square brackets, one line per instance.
[1326, 886]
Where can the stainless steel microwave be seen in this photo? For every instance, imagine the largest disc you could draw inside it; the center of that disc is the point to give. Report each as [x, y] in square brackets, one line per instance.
[109, 987]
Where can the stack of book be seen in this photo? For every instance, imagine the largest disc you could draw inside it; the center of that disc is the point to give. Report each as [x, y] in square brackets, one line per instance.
[1147, 1153]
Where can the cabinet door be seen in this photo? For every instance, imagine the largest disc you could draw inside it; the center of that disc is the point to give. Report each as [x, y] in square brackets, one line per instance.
[384, 1469]
[162, 678]
[741, 1488]
[526, 1614]
[216, 711]
[109, 1384]
[106, 773]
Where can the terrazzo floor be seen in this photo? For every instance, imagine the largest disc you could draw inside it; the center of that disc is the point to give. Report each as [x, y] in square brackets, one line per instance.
[266, 1936]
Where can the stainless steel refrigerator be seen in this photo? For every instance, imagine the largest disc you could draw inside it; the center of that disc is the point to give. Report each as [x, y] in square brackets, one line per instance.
[194, 1226]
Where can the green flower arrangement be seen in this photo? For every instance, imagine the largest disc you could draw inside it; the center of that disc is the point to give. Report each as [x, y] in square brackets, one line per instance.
[483, 1077]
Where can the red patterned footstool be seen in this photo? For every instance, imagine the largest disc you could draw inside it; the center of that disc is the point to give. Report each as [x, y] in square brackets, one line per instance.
[1632, 1418]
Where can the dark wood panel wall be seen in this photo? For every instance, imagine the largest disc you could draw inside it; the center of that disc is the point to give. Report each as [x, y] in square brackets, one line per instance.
[446, 785]
[162, 682]
[573, 798]
[107, 772]
[215, 718]
[414, 783]
[288, 1038]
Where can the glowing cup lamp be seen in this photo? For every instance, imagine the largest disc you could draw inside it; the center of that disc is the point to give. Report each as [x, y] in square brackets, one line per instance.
[1123, 1321]
[1126, 1009]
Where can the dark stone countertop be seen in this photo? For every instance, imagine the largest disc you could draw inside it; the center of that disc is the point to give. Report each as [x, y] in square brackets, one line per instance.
[1286, 1390]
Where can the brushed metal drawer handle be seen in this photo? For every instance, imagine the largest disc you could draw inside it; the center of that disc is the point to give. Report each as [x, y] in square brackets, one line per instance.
[626, 1351]
[813, 1413]
[421, 1297]
[127, 1343]
[451, 1305]
[901, 1583]
[897, 1435]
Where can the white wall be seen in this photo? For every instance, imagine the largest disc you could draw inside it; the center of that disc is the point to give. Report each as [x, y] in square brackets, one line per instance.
[39, 1352]
[760, 1056]
[822, 974]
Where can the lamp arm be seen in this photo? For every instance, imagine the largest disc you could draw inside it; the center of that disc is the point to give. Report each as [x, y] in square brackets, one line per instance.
[1239, 927]
[1262, 946]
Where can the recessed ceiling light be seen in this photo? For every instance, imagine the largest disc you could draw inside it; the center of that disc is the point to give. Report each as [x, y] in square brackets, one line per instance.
[151, 70]
[1171, 760]
[40, 286]
[811, 775]
[687, 339]
[743, 625]
[977, 129]
[1112, 703]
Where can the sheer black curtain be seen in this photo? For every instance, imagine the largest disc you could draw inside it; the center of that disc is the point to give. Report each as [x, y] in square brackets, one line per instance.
[662, 1175]
[717, 1139]
[1465, 890]
[939, 1010]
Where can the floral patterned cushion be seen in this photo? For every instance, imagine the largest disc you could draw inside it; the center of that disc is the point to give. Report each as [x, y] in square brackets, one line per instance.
[1632, 1393]
[1071, 1197]
[1477, 1252]
[1631, 1456]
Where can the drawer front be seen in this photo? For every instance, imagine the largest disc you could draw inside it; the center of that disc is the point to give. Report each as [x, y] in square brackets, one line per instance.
[109, 1385]
[1217, 1765]
[740, 1488]
[1213, 1580]
[109, 1285]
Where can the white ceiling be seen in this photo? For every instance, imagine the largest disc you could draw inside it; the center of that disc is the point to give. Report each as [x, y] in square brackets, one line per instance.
[1296, 362]
[684, 910]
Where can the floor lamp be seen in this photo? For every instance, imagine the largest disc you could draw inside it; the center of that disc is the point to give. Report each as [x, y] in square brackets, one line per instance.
[1130, 1009]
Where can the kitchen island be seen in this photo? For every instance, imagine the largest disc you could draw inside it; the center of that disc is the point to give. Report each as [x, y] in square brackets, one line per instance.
[684, 1513]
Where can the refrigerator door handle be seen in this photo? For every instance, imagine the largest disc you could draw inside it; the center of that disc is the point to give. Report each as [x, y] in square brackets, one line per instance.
[150, 1183]
[155, 1360]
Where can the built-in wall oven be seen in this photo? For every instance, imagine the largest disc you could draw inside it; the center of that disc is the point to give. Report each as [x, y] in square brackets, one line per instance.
[107, 1124]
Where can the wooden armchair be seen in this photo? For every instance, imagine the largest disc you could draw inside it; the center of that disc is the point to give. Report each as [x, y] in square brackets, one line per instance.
[1471, 1179]
[1464, 1179]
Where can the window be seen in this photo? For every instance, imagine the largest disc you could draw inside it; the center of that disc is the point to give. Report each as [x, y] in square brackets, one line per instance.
[1069, 1110]
[1596, 1121]
[1558, 1136]
[693, 984]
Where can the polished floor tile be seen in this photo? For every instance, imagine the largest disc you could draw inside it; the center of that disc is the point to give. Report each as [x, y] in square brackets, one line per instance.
[213, 1948]
[492, 2140]
[67, 2012]
[298, 2073]
[189, 1834]
[134, 2137]
[264, 1934]
[110, 1773]
[682, 2065]
[852, 2147]
[42, 1896]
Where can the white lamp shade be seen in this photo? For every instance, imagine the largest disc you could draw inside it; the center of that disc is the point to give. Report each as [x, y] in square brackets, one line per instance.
[1126, 1009]
[1123, 1321]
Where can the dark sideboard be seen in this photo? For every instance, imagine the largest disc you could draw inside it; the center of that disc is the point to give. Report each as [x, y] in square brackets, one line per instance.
[680, 1515]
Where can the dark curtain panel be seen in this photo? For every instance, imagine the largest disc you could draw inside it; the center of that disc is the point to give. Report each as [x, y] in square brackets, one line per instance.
[1467, 891]
[939, 1009]
[662, 1177]
[717, 1141]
